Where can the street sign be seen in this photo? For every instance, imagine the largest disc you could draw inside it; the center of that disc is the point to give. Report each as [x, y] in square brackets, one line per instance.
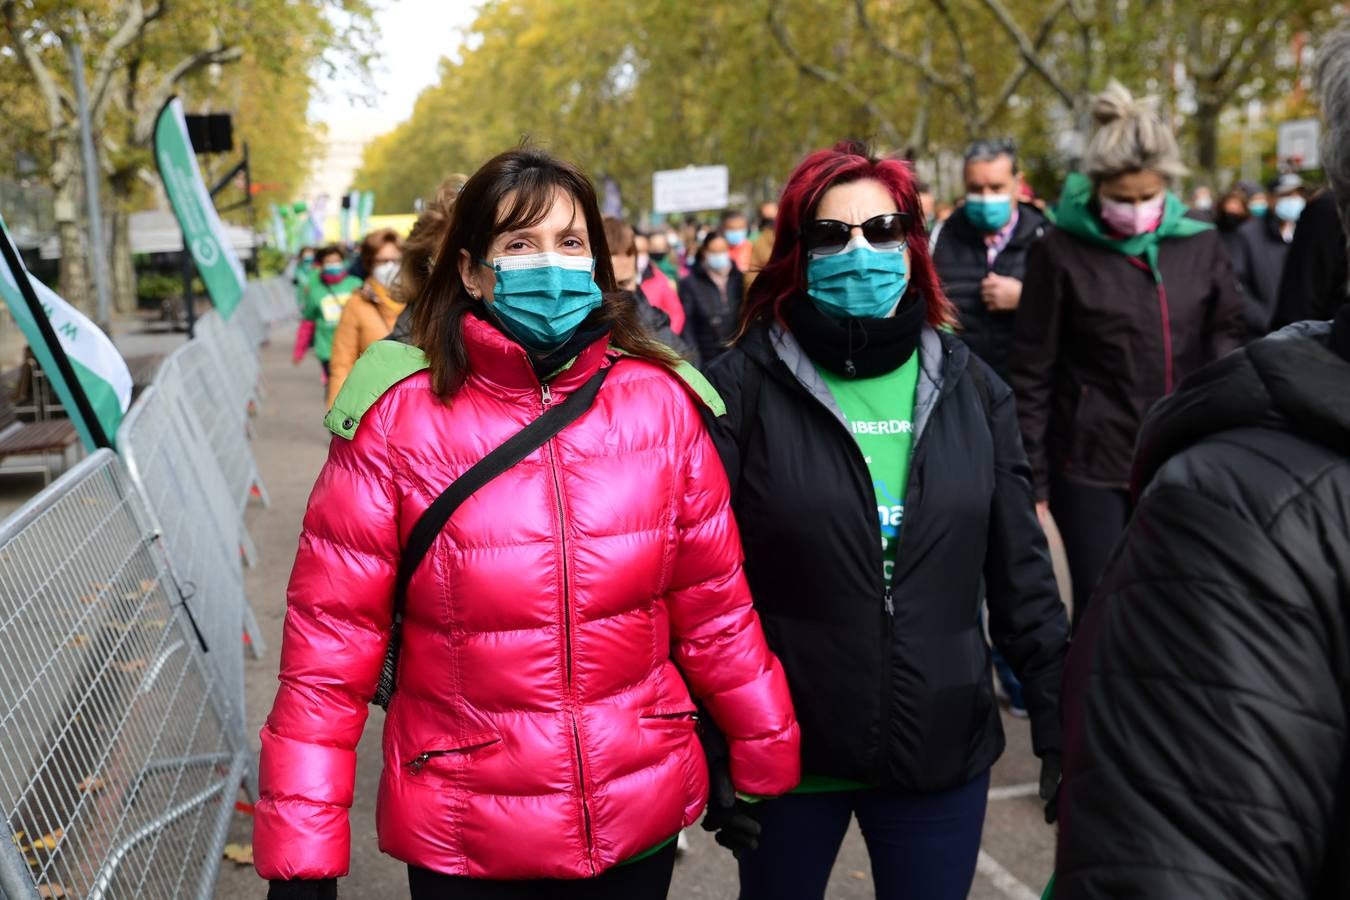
[1297, 142]
[693, 189]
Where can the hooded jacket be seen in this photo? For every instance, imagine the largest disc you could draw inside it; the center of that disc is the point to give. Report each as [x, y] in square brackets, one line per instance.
[1106, 328]
[901, 699]
[962, 261]
[1207, 696]
[540, 727]
[368, 317]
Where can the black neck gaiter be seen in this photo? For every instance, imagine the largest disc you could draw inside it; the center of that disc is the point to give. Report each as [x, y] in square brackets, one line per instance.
[857, 348]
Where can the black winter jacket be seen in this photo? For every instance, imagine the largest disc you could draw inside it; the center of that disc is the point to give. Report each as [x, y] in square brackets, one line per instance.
[1316, 277]
[1207, 697]
[1091, 347]
[902, 700]
[1258, 262]
[710, 321]
[962, 261]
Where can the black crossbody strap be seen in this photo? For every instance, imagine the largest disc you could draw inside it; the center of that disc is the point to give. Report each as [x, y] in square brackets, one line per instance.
[430, 523]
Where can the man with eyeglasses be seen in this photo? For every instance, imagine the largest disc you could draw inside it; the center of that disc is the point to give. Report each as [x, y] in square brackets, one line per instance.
[981, 252]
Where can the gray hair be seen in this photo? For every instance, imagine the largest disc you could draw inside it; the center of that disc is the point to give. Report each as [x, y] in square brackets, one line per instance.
[1332, 76]
[1130, 137]
[990, 149]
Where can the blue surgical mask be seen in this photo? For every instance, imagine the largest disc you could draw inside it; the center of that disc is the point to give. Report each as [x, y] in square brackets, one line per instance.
[859, 281]
[989, 212]
[541, 299]
[735, 236]
[1288, 209]
[1258, 209]
[717, 262]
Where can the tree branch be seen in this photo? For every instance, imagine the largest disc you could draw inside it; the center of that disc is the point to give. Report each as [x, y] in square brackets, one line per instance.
[131, 29]
[145, 122]
[829, 77]
[1015, 78]
[51, 92]
[924, 68]
[1029, 52]
[970, 109]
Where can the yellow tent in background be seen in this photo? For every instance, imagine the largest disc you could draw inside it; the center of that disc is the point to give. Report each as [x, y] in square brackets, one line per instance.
[332, 227]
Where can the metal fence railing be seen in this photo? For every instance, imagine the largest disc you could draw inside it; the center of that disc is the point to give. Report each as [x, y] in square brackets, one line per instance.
[118, 765]
[122, 608]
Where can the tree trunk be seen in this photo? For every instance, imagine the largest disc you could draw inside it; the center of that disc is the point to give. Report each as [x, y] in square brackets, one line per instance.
[1206, 120]
[75, 285]
[119, 243]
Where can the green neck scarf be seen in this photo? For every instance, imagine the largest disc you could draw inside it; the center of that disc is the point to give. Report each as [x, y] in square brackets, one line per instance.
[1076, 216]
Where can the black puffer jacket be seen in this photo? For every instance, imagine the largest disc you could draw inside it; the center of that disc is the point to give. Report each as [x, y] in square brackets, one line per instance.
[710, 319]
[1258, 262]
[1316, 278]
[902, 700]
[962, 261]
[1207, 697]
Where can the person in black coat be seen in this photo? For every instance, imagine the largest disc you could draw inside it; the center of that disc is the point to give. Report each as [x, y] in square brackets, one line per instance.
[981, 254]
[1315, 279]
[711, 295]
[869, 569]
[1207, 697]
[1260, 250]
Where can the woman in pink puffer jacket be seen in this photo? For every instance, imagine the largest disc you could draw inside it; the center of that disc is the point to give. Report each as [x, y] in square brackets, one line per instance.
[541, 731]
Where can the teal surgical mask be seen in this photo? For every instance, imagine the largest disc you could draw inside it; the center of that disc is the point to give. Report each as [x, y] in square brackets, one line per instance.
[334, 268]
[541, 299]
[1258, 209]
[1288, 209]
[859, 281]
[989, 212]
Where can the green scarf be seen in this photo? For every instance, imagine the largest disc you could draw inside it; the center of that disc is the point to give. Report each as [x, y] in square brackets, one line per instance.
[1076, 216]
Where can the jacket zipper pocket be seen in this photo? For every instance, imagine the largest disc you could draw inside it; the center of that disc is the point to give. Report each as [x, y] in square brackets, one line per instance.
[418, 762]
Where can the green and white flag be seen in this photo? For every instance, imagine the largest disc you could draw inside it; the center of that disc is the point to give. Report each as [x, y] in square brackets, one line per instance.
[203, 233]
[84, 367]
[367, 207]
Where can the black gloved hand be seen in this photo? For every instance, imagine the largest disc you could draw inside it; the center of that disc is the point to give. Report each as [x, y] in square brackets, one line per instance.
[1051, 768]
[303, 889]
[730, 817]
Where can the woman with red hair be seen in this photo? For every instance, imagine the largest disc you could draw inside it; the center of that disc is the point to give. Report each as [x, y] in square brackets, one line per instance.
[882, 493]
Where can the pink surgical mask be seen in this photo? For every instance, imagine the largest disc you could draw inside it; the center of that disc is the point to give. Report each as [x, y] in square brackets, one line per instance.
[1132, 219]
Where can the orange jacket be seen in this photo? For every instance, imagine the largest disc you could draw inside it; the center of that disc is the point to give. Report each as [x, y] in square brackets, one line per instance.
[368, 317]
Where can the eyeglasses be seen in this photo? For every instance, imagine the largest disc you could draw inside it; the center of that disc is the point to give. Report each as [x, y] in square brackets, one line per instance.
[829, 236]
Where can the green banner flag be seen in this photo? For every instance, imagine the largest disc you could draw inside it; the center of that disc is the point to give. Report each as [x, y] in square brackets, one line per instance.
[79, 360]
[367, 207]
[203, 233]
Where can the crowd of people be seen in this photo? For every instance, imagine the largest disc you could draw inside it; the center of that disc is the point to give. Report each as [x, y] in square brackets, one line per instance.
[631, 528]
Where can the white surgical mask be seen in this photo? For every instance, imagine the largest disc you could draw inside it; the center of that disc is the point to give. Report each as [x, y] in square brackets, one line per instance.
[385, 273]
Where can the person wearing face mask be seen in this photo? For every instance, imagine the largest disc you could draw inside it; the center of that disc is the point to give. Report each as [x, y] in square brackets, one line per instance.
[981, 253]
[372, 311]
[304, 272]
[628, 252]
[1260, 250]
[1123, 298]
[711, 295]
[664, 257]
[556, 630]
[1230, 216]
[882, 494]
[762, 247]
[735, 227]
[325, 300]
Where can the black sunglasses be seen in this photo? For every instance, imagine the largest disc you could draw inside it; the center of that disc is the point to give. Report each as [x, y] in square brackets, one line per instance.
[829, 236]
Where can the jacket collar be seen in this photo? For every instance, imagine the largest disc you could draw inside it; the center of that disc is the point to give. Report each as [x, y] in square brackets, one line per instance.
[501, 365]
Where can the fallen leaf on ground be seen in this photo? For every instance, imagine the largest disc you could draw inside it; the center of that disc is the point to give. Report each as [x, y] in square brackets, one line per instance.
[241, 854]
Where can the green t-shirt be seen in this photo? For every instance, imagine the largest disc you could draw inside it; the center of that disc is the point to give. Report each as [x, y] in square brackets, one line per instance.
[880, 413]
[324, 307]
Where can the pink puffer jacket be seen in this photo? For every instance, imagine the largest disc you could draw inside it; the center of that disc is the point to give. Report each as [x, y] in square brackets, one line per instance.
[541, 727]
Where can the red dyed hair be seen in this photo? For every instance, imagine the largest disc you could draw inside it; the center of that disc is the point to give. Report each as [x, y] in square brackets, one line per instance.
[785, 273]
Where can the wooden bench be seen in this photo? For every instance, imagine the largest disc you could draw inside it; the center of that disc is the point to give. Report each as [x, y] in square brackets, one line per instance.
[54, 437]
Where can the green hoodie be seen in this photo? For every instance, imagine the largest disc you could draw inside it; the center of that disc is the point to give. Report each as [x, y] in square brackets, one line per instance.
[1076, 216]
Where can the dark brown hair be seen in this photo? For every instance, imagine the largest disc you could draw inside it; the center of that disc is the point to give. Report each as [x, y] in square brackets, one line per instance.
[328, 250]
[419, 250]
[514, 190]
[374, 243]
[620, 236]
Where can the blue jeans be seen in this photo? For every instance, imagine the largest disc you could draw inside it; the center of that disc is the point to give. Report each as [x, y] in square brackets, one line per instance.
[922, 846]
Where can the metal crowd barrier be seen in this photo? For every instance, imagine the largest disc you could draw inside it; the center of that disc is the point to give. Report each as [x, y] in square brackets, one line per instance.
[119, 758]
[275, 299]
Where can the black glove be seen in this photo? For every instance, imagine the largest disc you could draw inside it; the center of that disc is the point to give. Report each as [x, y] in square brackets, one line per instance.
[303, 889]
[730, 817]
[1051, 768]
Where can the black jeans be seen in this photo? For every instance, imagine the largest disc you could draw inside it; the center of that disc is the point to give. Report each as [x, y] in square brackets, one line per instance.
[646, 879]
[1091, 521]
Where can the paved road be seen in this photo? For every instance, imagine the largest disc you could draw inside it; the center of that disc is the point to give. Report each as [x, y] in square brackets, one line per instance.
[291, 445]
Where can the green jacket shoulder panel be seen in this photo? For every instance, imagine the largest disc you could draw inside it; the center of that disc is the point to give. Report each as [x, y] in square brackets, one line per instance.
[383, 365]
